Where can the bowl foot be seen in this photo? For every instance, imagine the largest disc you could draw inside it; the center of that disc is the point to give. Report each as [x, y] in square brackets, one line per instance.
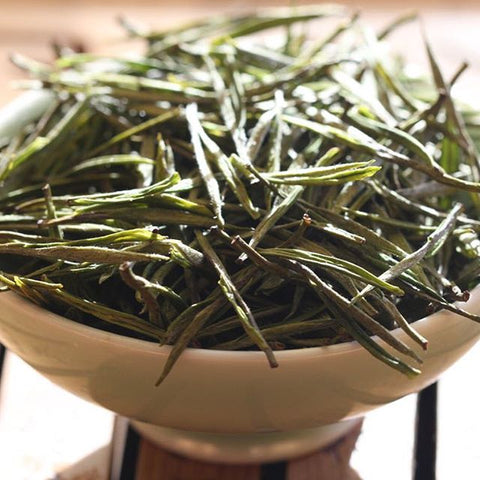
[245, 447]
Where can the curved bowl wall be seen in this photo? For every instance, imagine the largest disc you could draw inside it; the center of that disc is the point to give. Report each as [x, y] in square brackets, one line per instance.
[219, 391]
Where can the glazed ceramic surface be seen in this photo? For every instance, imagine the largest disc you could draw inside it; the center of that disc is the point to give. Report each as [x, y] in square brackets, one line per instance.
[219, 391]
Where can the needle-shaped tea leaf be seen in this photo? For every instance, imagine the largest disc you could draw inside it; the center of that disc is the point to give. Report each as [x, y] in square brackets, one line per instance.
[233, 296]
[203, 166]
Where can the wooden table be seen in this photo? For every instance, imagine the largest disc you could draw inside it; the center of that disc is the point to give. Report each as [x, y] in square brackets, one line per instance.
[46, 433]
[29, 27]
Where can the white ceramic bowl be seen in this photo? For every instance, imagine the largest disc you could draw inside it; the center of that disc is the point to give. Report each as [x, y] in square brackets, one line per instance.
[251, 412]
[218, 405]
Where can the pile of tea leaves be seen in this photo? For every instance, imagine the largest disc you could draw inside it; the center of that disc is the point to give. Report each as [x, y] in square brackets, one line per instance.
[232, 190]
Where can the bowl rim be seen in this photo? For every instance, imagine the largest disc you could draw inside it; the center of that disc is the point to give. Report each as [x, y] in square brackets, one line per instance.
[151, 347]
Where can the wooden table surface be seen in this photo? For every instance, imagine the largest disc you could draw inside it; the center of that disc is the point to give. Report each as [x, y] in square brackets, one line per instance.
[29, 27]
[46, 433]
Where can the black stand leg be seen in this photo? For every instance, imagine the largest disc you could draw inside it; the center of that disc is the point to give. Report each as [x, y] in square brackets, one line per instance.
[426, 434]
[2, 357]
[130, 455]
[274, 471]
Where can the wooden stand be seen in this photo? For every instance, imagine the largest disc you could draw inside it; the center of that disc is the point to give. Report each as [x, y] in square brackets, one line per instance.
[331, 463]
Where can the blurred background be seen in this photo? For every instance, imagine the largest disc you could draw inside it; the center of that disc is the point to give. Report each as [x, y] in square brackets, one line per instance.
[30, 26]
